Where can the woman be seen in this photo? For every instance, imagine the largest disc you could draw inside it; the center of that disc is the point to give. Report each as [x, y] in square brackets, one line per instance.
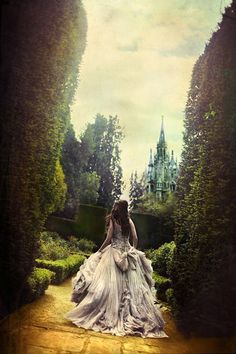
[114, 289]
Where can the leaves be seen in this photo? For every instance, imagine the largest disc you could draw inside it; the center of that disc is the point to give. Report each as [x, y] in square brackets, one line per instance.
[206, 192]
[44, 42]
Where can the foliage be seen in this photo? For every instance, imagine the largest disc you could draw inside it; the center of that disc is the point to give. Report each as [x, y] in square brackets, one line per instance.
[92, 164]
[149, 203]
[136, 191]
[86, 245]
[204, 264]
[162, 284]
[63, 268]
[102, 139]
[52, 246]
[88, 187]
[37, 283]
[70, 160]
[43, 45]
[89, 223]
[162, 258]
[169, 295]
[82, 245]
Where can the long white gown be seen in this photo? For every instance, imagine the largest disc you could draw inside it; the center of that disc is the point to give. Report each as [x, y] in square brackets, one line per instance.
[115, 293]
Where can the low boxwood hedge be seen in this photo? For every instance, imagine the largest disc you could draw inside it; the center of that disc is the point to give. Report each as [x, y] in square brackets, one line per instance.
[162, 284]
[36, 284]
[63, 268]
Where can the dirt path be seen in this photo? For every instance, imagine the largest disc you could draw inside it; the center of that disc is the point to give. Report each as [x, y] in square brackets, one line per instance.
[39, 328]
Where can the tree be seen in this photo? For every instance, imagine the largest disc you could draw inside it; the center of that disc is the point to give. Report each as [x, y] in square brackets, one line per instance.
[88, 187]
[102, 139]
[204, 263]
[70, 160]
[136, 191]
[40, 55]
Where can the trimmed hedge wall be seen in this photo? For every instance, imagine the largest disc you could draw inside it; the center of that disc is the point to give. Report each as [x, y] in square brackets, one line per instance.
[37, 283]
[65, 227]
[89, 223]
[152, 230]
[63, 268]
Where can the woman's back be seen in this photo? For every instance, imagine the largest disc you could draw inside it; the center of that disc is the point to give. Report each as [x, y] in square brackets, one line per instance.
[114, 289]
[119, 240]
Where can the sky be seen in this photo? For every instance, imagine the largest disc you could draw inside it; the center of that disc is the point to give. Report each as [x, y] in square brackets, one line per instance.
[137, 65]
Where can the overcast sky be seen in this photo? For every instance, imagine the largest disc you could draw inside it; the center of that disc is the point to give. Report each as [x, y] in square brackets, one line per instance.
[138, 64]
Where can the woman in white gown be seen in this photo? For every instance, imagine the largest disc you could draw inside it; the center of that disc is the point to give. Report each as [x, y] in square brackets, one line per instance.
[114, 289]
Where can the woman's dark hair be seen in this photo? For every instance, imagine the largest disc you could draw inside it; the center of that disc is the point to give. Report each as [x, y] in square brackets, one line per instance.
[120, 214]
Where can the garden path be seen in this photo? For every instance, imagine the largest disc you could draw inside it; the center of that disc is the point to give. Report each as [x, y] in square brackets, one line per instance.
[39, 328]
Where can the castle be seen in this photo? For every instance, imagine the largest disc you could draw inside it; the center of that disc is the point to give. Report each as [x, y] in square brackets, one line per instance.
[162, 170]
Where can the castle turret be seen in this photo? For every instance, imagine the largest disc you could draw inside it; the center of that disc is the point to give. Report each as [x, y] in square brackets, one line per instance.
[161, 145]
[150, 174]
[162, 133]
[162, 169]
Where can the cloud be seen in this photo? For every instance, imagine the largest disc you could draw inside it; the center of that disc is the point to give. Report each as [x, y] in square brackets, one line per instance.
[131, 47]
[138, 65]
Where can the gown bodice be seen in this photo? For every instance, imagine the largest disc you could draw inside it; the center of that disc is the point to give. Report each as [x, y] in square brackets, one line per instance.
[118, 240]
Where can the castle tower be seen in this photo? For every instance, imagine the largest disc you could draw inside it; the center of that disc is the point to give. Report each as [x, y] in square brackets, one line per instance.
[162, 169]
[161, 145]
[150, 174]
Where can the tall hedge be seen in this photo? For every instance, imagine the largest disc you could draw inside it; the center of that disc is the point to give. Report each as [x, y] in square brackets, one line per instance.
[41, 47]
[204, 265]
[88, 223]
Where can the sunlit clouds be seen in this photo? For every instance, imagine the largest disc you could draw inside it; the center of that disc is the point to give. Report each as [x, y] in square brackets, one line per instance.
[137, 65]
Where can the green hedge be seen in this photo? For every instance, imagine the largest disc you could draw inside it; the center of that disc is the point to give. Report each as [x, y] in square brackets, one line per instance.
[63, 268]
[152, 231]
[64, 227]
[36, 285]
[88, 223]
[91, 221]
[162, 258]
[162, 284]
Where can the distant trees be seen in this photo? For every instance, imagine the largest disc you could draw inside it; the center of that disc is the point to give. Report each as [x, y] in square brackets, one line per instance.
[92, 163]
[136, 191]
[105, 158]
[204, 264]
[88, 187]
[42, 44]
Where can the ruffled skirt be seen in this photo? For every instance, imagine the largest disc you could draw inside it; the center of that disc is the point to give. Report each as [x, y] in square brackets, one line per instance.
[115, 294]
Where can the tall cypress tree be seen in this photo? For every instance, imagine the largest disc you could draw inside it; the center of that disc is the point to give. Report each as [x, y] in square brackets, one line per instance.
[204, 265]
[42, 44]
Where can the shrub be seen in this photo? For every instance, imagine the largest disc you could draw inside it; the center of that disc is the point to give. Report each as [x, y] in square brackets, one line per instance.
[86, 245]
[83, 244]
[37, 283]
[63, 268]
[52, 246]
[169, 294]
[162, 258]
[73, 243]
[161, 285]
